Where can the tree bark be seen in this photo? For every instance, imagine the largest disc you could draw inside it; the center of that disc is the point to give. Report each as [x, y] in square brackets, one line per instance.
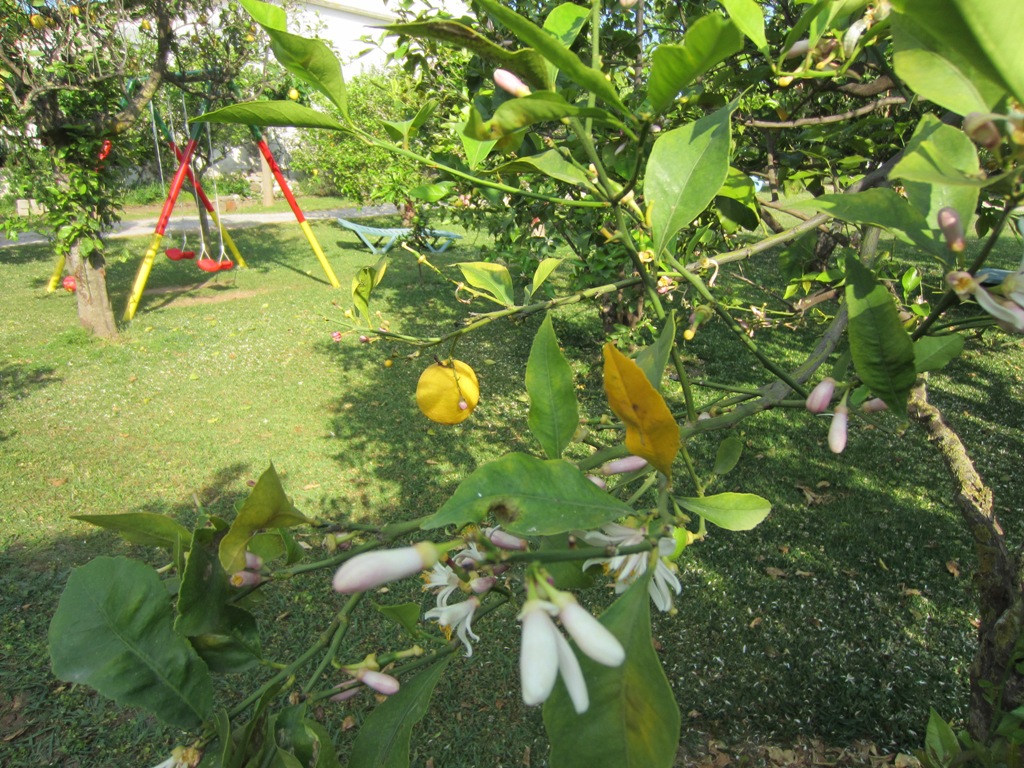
[996, 685]
[94, 310]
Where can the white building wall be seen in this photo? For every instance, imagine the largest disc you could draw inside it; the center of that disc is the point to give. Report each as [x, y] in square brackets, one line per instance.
[344, 24]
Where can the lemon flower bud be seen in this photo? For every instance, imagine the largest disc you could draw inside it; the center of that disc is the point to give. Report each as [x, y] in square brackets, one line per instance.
[837, 429]
[982, 130]
[821, 395]
[621, 466]
[510, 83]
[379, 681]
[952, 229]
[372, 569]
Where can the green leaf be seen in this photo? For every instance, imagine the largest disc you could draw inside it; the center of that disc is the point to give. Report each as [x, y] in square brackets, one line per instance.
[748, 16]
[526, 62]
[431, 193]
[881, 208]
[267, 15]
[731, 511]
[653, 359]
[204, 590]
[529, 497]
[146, 528]
[565, 23]
[736, 202]
[728, 456]
[554, 411]
[550, 163]
[555, 52]
[543, 272]
[493, 280]
[686, 169]
[406, 615]
[633, 719]
[306, 738]
[113, 630]
[997, 28]
[312, 61]
[266, 507]
[935, 54]
[475, 149]
[934, 352]
[404, 130]
[883, 354]
[940, 743]
[234, 646]
[383, 739]
[708, 41]
[272, 113]
[515, 114]
[940, 169]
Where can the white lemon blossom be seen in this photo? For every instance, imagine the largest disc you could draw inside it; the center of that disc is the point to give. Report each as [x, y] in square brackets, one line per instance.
[457, 618]
[628, 568]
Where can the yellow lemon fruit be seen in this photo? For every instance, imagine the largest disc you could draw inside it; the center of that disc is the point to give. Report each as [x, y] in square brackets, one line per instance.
[293, 94]
[37, 21]
[447, 393]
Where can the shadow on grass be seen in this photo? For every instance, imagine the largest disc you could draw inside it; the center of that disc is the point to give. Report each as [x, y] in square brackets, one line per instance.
[18, 380]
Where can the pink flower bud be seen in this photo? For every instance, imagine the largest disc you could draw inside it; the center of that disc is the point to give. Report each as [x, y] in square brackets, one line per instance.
[837, 429]
[799, 48]
[482, 584]
[627, 4]
[245, 579]
[982, 130]
[463, 405]
[510, 83]
[874, 405]
[364, 339]
[952, 229]
[348, 692]
[253, 562]
[372, 569]
[336, 336]
[597, 481]
[821, 395]
[500, 538]
[380, 682]
[621, 466]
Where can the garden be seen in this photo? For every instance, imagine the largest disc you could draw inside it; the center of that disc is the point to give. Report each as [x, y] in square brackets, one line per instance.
[684, 446]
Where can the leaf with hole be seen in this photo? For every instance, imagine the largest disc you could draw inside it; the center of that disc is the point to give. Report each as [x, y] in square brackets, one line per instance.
[528, 496]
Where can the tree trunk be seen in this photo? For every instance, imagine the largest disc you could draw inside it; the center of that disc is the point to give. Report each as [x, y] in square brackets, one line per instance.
[997, 687]
[94, 310]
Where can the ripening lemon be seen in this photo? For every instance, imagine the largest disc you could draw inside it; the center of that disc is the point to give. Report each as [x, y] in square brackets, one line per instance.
[293, 94]
[447, 393]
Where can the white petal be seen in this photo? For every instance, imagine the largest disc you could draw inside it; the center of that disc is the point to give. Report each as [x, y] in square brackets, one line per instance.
[572, 675]
[538, 654]
[998, 311]
[591, 636]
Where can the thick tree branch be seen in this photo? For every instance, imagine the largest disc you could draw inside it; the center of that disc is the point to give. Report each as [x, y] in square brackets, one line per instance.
[825, 119]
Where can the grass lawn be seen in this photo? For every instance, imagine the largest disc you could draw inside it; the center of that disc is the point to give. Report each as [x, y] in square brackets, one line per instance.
[840, 620]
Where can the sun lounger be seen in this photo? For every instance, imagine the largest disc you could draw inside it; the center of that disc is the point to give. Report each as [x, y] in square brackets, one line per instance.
[380, 239]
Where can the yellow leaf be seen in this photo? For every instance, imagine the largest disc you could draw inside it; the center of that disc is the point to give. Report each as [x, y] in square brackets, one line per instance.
[651, 432]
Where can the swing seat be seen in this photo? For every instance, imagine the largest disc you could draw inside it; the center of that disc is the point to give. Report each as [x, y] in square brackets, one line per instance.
[226, 265]
[208, 265]
[176, 254]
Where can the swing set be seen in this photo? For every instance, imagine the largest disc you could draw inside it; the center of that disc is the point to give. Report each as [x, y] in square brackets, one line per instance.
[205, 260]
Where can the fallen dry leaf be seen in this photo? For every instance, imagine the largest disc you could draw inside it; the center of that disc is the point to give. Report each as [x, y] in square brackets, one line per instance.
[755, 623]
[954, 568]
[775, 573]
[810, 497]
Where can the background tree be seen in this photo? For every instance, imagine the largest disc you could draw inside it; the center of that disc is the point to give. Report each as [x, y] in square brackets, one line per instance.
[65, 103]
